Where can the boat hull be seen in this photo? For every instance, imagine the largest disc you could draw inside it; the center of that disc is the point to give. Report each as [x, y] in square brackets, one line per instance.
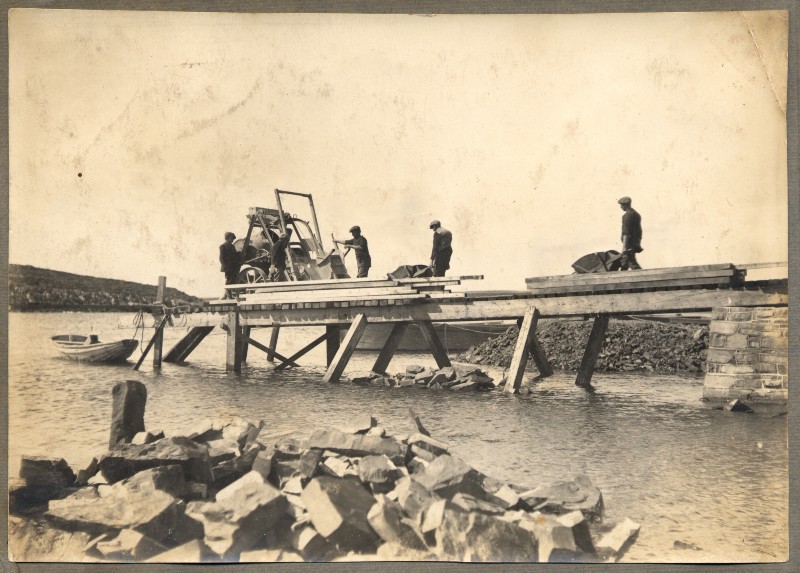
[72, 347]
[454, 337]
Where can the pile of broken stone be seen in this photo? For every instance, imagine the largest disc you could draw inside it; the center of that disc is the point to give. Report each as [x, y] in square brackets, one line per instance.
[228, 491]
[449, 377]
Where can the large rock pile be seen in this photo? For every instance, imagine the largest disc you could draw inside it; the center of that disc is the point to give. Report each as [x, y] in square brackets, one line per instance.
[229, 491]
[629, 346]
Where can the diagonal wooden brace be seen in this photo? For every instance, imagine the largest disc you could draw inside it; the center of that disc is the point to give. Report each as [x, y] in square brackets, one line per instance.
[388, 350]
[436, 346]
[527, 333]
[301, 352]
[593, 347]
[339, 363]
[270, 353]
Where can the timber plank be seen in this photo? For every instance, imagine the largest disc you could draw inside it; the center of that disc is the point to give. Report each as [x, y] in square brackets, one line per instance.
[520, 357]
[348, 345]
[649, 286]
[632, 277]
[668, 271]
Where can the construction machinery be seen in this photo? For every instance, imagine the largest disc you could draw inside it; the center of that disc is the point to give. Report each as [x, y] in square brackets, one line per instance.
[306, 255]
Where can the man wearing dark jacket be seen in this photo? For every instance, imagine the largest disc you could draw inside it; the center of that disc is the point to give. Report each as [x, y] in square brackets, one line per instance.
[359, 244]
[631, 235]
[277, 257]
[442, 249]
[229, 261]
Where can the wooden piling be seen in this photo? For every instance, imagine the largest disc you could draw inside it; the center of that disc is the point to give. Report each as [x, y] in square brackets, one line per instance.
[527, 331]
[436, 346]
[339, 363]
[593, 347]
[187, 344]
[245, 342]
[233, 361]
[332, 342]
[273, 342]
[388, 350]
[158, 344]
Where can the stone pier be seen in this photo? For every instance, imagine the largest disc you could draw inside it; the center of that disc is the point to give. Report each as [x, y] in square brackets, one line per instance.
[748, 354]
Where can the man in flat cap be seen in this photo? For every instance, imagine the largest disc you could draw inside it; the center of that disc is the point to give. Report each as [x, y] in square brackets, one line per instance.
[442, 248]
[277, 257]
[631, 235]
[359, 244]
[229, 261]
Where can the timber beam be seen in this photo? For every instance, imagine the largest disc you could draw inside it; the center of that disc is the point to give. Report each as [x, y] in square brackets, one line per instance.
[593, 347]
[339, 363]
[434, 343]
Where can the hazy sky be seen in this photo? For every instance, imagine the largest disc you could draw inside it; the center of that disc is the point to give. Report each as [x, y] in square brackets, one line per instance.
[138, 138]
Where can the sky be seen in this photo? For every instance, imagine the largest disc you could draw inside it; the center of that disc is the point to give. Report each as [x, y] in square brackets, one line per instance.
[137, 139]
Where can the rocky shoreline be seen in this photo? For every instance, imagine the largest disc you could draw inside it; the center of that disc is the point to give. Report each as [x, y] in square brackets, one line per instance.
[229, 491]
[630, 346]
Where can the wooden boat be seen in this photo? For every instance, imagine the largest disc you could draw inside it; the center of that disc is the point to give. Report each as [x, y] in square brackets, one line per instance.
[455, 337]
[90, 349]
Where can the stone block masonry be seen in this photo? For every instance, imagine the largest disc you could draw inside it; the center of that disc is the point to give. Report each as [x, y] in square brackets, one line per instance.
[748, 355]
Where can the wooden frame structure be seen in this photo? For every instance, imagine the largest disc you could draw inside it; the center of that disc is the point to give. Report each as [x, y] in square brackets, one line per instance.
[338, 307]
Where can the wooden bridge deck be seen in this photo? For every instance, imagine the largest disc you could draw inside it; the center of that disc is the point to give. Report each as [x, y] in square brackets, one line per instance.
[354, 303]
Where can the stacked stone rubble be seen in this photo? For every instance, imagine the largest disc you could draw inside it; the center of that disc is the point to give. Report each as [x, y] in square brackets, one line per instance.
[229, 491]
[748, 355]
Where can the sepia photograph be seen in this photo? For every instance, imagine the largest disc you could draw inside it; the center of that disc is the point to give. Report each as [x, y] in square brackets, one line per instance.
[398, 287]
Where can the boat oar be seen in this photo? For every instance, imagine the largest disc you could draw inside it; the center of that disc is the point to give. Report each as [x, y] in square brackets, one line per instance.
[152, 341]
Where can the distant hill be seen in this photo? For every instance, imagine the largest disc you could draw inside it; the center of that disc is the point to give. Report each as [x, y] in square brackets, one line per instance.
[32, 288]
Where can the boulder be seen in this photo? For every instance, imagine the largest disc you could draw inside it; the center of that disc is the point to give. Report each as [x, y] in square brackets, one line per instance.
[283, 471]
[24, 499]
[128, 459]
[447, 476]
[263, 462]
[449, 373]
[230, 470]
[128, 400]
[30, 540]
[242, 520]
[413, 370]
[377, 431]
[618, 540]
[413, 497]
[432, 516]
[168, 479]
[357, 445]
[194, 551]
[563, 538]
[564, 497]
[338, 510]
[87, 473]
[309, 461]
[311, 545]
[507, 498]
[417, 464]
[149, 511]
[294, 486]
[376, 469]
[336, 467]
[234, 429]
[406, 382]
[147, 437]
[485, 538]
[41, 471]
[235, 488]
[388, 520]
[129, 544]
[438, 378]
[423, 377]
[468, 503]
[427, 443]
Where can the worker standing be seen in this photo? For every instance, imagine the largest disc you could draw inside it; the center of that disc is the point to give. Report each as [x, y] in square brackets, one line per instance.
[359, 244]
[277, 258]
[442, 248]
[229, 261]
[631, 235]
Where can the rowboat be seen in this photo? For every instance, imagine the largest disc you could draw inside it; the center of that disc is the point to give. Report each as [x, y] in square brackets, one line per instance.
[90, 349]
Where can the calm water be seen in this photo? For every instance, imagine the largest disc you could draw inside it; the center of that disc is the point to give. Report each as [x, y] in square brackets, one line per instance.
[660, 457]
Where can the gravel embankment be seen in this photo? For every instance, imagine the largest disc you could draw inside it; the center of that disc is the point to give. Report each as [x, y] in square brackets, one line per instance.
[630, 345]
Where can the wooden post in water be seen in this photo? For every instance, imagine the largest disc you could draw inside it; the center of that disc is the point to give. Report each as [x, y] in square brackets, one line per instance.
[527, 331]
[339, 363]
[332, 342]
[245, 345]
[388, 350]
[158, 344]
[593, 347]
[233, 362]
[273, 342]
[436, 346]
